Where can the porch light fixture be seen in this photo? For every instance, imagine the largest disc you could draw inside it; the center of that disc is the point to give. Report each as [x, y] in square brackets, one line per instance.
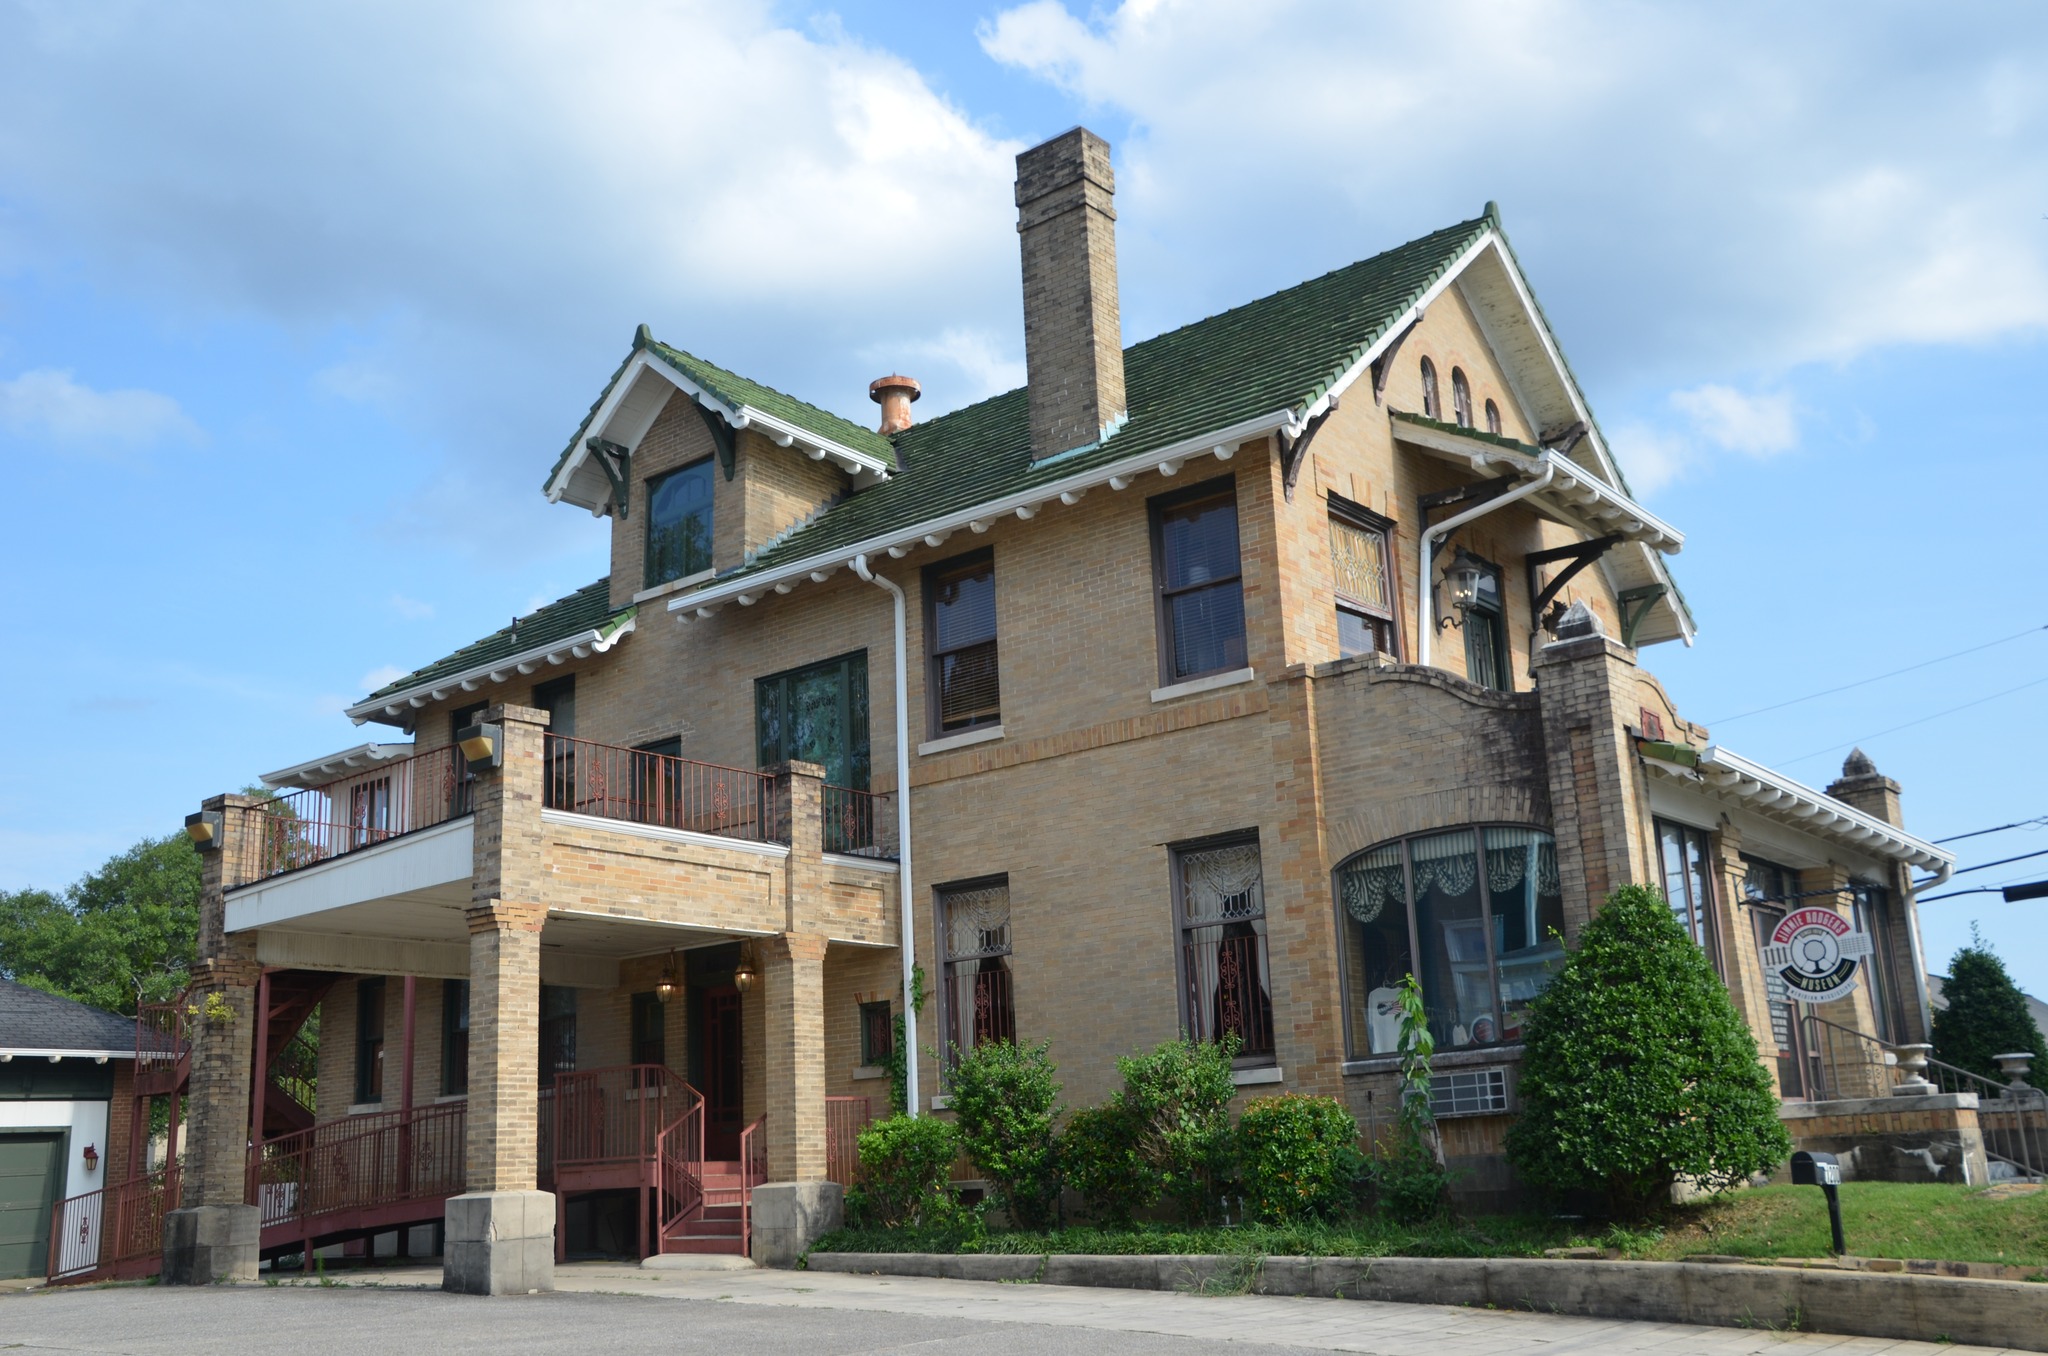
[482, 745]
[1458, 589]
[204, 828]
[668, 988]
[745, 973]
[92, 1159]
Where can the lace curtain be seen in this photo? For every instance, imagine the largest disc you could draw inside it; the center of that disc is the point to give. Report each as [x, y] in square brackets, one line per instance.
[1372, 882]
[1448, 862]
[1221, 885]
[1508, 854]
[977, 922]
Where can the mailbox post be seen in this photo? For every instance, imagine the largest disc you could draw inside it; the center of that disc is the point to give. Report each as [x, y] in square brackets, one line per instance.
[1823, 1171]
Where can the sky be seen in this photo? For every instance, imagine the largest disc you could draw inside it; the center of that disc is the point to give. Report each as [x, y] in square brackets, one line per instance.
[299, 303]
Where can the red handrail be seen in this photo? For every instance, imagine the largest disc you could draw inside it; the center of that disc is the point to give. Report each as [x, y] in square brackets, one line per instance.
[362, 810]
[753, 1172]
[98, 1231]
[617, 1114]
[859, 823]
[679, 1169]
[845, 1118]
[363, 1161]
[640, 787]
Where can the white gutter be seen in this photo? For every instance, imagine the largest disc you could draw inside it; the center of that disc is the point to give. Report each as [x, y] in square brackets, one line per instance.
[1756, 784]
[907, 927]
[1424, 604]
[579, 646]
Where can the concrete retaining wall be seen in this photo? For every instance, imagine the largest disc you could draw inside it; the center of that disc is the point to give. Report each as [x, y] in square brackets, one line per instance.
[1913, 1308]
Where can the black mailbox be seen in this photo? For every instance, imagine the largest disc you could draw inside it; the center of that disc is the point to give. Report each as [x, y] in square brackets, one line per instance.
[1821, 1170]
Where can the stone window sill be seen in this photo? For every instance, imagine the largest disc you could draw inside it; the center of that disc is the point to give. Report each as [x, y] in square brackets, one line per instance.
[942, 1104]
[1251, 1078]
[870, 1071]
[961, 740]
[1444, 1059]
[1206, 684]
[365, 1108]
[688, 581]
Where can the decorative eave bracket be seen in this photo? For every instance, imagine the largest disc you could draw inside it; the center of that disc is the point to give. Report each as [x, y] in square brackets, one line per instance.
[1635, 607]
[1580, 554]
[1294, 448]
[617, 463]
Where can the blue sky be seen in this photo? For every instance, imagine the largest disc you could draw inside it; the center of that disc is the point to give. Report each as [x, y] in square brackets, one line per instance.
[298, 304]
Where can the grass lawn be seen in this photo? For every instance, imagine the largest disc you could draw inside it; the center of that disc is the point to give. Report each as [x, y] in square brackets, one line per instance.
[1880, 1219]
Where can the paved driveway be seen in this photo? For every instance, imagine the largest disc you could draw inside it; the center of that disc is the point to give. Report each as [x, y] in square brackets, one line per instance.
[603, 1308]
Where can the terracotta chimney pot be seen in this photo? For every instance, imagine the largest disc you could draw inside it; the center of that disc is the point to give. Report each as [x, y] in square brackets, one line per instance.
[894, 394]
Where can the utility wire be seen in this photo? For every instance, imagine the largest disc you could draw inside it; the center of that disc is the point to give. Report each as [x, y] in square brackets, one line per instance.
[1836, 748]
[2003, 861]
[1861, 682]
[1979, 833]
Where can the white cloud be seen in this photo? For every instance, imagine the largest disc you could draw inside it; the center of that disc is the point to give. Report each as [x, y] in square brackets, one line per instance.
[412, 609]
[1757, 426]
[52, 405]
[1654, 457]
[380, 676]
[983, 363]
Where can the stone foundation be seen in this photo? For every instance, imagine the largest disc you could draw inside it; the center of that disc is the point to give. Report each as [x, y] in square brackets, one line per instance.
[1894, 1139]
[790, 1216]
[499, 1243]
[209, 1244]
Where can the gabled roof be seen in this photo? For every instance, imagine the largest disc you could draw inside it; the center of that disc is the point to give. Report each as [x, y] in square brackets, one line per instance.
[43, 1023]
[549, 634]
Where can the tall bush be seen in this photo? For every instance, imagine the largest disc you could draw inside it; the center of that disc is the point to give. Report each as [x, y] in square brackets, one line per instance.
[1178, 1098]
[1638, 1071]
[1099, 1159]
[904, 1164]
[1005, 1100]
[1297, 1157]
[1986, 1015]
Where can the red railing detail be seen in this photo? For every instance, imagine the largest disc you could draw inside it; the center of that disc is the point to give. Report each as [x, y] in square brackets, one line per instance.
[617, 1115]
[845, 1118]
[372, 807]
[860, 823]
[161, 1046]
[101, 1231]
[658, 788]
[357, 1164]
[753, 1172]
[679, 1170]
[1227, 994]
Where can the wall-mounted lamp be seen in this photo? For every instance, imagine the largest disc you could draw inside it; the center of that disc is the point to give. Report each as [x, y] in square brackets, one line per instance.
[1461, 582]
[746, 972]
[669, 987]
[92, 1159]
[482, 745]
[204, 828]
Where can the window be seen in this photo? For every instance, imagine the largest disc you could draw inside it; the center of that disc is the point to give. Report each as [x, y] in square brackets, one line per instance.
[1461, 398]
[1687, 858]
[557, 697]
[369, 811]
[1493, 418]
[1486, 640]
[1221, 913]
[960, 632]
[1772, 891]
[1475, 914]
[679, 524]
[557, 1032]
[877, 1033]
[650, 1029]
[1201, 589]
[974, 947]
[1870, 909]
[817, 714]
[454, 1037]
[1432, 408]
[1364, 584]
[370, 1040]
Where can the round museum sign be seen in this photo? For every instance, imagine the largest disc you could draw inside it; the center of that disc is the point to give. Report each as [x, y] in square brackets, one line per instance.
[1815, 952]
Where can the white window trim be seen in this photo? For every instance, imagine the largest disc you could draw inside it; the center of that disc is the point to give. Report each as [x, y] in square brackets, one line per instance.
[1208, 683]
[945, 743]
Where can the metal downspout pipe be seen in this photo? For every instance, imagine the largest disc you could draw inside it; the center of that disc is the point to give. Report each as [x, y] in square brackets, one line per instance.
[1425, 602]
[907, 927]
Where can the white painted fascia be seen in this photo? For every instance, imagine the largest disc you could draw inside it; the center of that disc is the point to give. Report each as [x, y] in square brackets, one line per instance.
[778, 431]
[334, 766]
[14, 1052]
[1167, 461]
[579, 646]
[1752, 783]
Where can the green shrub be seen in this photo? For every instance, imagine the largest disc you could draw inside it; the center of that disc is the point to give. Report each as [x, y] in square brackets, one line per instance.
[1409, 1183]
[1639, 1071]
[1099, 1158]
[904, 1164]
[1986, 1015]
[1004, 1102]
[1406, 1184]
[1297, 1157]
[1178, 1097]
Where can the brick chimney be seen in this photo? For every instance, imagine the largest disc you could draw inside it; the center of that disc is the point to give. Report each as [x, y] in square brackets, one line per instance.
[1073, 338]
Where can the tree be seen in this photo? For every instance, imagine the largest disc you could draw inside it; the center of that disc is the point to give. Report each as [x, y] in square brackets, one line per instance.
[1986, 1014]
[1638, 1070]
[125, 932]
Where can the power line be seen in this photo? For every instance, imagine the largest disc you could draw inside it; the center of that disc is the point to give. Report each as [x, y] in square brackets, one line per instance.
[1864, 739]
[2003, 861]
[1861, 682]
[1979, 833]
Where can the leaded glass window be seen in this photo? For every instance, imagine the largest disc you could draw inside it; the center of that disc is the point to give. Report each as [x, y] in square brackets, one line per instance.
[1221, 909]
[1364, 586]
[817, 714]
[974, 943]
[679, 524]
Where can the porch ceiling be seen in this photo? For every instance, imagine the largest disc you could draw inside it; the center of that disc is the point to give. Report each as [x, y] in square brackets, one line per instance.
[617, 938]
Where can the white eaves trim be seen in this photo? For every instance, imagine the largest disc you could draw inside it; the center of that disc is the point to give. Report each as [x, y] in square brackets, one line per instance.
[579, 646]
[778, 431]
[1118, 475]
[1756, 787]
[333, 767]
[96, 1056]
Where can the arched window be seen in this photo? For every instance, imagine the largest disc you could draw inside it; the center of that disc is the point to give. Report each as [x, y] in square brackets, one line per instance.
[1432, 408]
[1461, 398]
[1475, 913]
[1493, 418]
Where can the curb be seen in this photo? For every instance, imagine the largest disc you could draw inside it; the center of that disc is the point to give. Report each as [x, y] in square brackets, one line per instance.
[1850, 1303]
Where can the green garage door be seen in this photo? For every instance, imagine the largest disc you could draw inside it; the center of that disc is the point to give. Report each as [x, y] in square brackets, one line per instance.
[28, 1189]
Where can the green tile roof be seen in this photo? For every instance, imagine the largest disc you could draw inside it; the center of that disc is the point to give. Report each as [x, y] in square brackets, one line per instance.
[587, 609]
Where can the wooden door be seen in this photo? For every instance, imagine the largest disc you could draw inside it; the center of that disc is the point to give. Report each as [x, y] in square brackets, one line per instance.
[724, 1075]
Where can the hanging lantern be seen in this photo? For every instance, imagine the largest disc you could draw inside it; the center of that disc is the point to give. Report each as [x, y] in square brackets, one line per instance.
[669, 987]
[744, 974]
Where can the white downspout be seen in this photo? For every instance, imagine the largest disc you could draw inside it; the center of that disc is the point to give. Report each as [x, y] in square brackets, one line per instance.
[1424, 604]
[907, 926]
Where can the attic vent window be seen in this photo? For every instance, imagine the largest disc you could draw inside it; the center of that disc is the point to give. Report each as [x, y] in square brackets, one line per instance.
[1461, 398]
[1432, 408]
[1493, 418]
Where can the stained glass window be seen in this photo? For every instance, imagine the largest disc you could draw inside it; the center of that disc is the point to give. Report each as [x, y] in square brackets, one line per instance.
[1365, 595]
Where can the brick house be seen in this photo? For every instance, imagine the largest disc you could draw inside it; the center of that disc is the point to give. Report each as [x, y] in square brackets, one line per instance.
[1209, 684]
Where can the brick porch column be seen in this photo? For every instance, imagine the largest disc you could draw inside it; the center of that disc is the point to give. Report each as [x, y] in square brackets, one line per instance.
[215, 1234]
[500, 1235]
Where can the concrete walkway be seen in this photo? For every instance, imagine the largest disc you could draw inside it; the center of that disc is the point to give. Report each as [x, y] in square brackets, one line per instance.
[820, 1314]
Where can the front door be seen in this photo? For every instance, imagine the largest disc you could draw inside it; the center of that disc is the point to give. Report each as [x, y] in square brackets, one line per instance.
[722, 1074]
[28, 1190]
[1786, 1028]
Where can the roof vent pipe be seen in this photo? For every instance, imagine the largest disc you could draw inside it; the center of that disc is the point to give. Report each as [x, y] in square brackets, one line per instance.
[894, 394]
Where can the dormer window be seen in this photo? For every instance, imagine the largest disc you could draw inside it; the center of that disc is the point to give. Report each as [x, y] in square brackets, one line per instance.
[1461, 398]
[1493, 418]
[679, 523]
[1432, 408]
